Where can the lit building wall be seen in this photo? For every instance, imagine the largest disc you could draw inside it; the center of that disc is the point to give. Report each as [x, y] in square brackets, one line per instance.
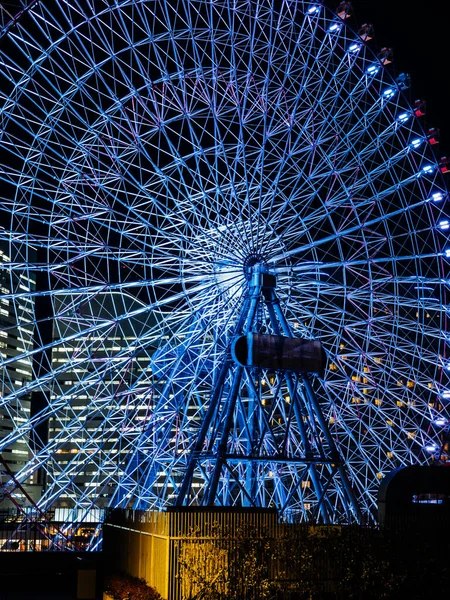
[16, 341]
[102, 399]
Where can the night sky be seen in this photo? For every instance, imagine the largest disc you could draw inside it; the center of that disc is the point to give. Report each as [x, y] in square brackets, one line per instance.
[419, 34]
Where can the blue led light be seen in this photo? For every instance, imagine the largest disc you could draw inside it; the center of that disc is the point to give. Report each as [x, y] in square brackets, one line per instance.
[446, 394]
[388, 93]
[437, 196]
[444, 225]
[440, 422]
[373, 69]
[416, 143]
[313, 10]
[334, 27]
[403, 117]
[428, 169]
[354, 48]
[447, 254]
[431, 448]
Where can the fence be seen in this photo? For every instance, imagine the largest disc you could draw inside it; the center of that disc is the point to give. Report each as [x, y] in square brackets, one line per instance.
[238, 553]
[157, 546]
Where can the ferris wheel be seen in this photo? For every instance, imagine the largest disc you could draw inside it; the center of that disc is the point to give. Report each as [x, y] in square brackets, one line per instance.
[180, 175]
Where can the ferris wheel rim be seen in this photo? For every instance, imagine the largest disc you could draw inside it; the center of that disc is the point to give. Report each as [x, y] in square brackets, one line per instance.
[206, 252]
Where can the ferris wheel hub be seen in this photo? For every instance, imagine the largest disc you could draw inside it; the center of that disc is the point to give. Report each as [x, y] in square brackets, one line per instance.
[254, 263]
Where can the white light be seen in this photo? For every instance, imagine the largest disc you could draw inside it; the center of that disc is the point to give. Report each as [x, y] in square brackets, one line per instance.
[440, 422]
[416, 143]
[388, 93]
[437, 196]
[446, 394]
[354, 48]
[403, 117]
[444, 224]
[334, 27]
[428, 169]
[431, 448]
[313, 9]
[373, 69]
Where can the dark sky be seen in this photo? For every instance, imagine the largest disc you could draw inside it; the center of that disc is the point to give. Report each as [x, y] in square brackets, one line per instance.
[419, 33]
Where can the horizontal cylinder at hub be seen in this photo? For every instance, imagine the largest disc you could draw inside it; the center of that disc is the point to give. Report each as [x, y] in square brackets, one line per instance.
[279, 352]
